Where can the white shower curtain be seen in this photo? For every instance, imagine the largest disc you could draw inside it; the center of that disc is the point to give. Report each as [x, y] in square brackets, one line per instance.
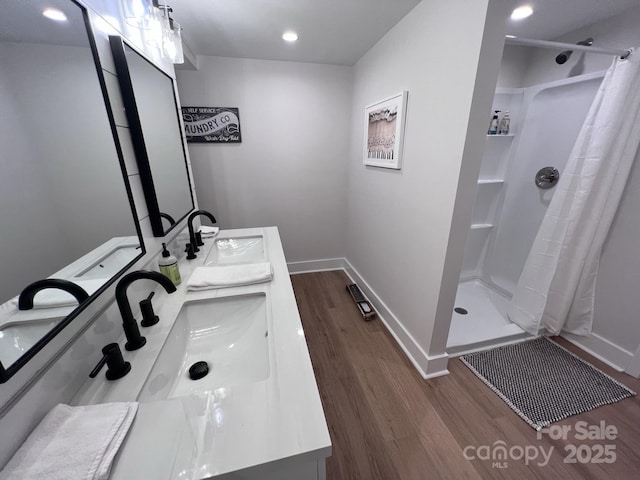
[556, 290]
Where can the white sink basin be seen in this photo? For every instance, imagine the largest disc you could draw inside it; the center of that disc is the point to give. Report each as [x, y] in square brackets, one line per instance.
[111, 263]
[229, 333]
[236, 250]
[16, 338]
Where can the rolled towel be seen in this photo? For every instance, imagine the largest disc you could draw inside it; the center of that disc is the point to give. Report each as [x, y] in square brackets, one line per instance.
[205, 278]
[73, 442]
[209, 232]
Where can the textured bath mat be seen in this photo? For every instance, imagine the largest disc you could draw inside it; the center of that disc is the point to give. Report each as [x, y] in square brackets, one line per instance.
[543, 382]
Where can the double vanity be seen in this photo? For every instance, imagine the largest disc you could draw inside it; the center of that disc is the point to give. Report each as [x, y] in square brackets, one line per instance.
[257, 413]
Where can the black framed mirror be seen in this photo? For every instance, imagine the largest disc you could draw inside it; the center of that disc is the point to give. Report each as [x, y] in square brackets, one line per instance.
[65, 203]
[153, 115]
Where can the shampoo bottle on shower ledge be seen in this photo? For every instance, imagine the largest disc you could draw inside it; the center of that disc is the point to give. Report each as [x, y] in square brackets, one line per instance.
[504, 124]
[493, 125]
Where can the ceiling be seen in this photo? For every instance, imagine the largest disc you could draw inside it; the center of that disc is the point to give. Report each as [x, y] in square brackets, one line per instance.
[341, 31]
[552, 18]
[28, 25]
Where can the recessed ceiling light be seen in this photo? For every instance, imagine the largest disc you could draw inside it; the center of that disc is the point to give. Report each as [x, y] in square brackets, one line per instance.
[521, 12]
[54, 14]
[510, 36]
[290, 36]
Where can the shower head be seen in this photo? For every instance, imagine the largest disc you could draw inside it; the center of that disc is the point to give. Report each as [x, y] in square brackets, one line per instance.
[564, 56]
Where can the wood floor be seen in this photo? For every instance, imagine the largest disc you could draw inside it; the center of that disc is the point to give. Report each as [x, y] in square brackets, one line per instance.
[386, 422]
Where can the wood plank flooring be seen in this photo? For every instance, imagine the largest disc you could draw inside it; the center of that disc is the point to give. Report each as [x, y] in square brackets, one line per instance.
[386, 422]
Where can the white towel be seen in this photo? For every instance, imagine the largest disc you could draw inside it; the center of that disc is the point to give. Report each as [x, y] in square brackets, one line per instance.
[209, 232]
[204, 278]
[54, 297]
[73, 443]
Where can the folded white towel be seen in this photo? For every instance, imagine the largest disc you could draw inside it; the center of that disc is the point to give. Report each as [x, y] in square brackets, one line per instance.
[73, 442]
[204, 278]
[53, 297]
[209, 232]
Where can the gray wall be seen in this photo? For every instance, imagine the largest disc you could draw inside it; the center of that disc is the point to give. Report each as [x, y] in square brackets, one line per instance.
[291, 168]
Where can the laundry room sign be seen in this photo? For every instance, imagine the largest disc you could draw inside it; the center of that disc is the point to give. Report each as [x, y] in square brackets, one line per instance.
[211, 124]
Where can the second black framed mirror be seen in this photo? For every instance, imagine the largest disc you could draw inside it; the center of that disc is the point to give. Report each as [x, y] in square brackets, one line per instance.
[153, 115]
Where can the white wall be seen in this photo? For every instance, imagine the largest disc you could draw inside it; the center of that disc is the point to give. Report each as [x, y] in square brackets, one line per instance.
[291, 168]
[515, 61]
[402, 224]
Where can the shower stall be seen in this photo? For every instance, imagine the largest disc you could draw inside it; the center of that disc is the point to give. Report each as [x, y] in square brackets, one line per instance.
[510, 205]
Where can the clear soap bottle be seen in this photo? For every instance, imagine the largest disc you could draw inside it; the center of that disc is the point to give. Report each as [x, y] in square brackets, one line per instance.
[169, 266]
[504, 124]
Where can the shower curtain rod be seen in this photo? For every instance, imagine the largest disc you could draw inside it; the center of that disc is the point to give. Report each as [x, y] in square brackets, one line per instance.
[530, 42]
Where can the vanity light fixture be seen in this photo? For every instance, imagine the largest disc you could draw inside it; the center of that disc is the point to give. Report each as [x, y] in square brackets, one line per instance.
[290, 36]
[156, 26]
[521, 12]
[171, 36]
[53, 14]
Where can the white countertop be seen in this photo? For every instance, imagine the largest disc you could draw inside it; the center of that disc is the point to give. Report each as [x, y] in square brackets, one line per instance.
[232, 428]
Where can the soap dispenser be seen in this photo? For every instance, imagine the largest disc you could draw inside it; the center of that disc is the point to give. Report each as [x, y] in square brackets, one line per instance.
[169, 266]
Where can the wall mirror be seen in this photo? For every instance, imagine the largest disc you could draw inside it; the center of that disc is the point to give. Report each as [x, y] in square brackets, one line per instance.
[65, 203]
[152, 112]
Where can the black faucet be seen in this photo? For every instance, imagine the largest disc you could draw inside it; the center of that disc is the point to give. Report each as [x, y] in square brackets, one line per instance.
[129, 324]
[168, 217]
[192, 235]
[25, 301]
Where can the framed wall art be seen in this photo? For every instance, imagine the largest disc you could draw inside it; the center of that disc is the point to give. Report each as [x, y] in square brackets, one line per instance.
[384, 131]
[211, 124]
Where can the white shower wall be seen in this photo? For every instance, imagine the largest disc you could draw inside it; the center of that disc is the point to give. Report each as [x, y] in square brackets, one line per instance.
[554, 114]
[509, 208]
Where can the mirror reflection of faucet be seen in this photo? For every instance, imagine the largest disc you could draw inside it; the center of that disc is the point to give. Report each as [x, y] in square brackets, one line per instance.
[134, 339]
[168, 217]
[25, 301]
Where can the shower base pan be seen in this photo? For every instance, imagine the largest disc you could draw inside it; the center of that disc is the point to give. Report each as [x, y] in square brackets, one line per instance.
[485, 325]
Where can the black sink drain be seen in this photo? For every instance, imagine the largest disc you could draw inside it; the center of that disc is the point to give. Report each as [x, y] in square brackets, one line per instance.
[198, 370]
[460, 310]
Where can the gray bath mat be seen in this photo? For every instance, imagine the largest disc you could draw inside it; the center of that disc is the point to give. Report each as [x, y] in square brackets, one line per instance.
[543, 382]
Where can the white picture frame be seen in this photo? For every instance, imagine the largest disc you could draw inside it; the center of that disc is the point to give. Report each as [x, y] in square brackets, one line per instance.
[384, 132]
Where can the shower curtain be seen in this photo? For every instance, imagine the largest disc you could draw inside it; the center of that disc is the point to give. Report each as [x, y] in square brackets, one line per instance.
[556, 290]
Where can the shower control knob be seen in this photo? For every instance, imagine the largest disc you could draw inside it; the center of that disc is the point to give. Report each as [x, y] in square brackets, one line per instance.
[547, 177]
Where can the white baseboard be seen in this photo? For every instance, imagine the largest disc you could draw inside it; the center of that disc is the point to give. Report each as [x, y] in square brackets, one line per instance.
[601, 348]
[310, 266]
[429, 367]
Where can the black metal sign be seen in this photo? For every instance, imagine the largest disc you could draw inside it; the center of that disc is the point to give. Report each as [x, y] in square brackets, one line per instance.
[211, 124]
